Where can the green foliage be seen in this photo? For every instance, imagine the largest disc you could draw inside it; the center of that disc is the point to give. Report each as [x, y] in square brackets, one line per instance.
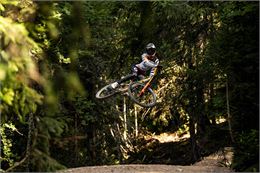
[19, 68]
[84, 109]
[236, 54]
[56, 55]
[6, 143]
[24, 76]
[43, 162]
[247, 152]
[18, 61]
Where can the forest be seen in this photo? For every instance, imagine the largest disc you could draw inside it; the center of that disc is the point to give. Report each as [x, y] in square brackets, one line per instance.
[55, 56]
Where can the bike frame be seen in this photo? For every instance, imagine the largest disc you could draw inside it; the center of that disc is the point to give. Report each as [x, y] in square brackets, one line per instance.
[148, 84]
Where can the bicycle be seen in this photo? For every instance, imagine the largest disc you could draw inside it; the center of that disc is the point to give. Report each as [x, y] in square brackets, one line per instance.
[139, 91]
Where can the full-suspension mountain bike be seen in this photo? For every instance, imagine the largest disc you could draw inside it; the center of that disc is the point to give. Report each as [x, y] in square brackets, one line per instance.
[139, 91]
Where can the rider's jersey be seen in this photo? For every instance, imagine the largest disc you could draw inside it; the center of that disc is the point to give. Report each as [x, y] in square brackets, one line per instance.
[146, 65]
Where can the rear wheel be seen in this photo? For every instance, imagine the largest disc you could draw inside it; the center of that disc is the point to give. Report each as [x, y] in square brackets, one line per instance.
[146, 99]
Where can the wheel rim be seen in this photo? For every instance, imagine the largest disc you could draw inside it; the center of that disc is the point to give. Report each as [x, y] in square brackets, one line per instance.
[147, 99]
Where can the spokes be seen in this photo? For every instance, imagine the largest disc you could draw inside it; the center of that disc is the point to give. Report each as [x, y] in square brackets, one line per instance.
[107, 91]
[146, 98]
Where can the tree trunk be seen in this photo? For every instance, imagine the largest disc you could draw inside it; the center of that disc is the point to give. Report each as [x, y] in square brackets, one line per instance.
[211, 95]
[76, 150]
[125, 120]
[191, 110]
[193, 142]
[228, 113]
[136, 121]
[203, 121]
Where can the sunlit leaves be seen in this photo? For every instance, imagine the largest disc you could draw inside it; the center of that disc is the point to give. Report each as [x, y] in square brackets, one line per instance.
[7, 2]
[18, 46]
[62, 59]
[18, 62]
[6, 142]
[7, 96]
[2, 8]
[18, 65]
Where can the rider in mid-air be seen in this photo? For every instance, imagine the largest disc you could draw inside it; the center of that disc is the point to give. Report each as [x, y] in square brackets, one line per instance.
[149, 62]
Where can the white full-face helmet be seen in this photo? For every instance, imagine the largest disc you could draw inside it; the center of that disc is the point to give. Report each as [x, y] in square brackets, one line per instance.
[150, 49]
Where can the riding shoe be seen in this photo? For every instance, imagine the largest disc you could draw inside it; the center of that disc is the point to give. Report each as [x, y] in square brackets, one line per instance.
[114, 85]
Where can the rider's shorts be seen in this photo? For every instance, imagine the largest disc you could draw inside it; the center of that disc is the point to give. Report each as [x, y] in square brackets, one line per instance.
[137, 71]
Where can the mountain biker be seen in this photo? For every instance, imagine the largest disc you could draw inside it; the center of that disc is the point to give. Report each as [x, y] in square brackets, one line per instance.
[149, 62]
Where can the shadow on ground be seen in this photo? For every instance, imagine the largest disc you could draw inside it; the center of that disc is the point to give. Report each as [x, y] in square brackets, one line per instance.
[152, 151]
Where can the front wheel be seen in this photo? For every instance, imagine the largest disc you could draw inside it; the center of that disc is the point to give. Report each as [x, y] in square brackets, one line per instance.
[105, 92]
[146, 99]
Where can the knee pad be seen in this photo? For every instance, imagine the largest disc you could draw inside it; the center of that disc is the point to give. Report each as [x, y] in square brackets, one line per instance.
[135, 71]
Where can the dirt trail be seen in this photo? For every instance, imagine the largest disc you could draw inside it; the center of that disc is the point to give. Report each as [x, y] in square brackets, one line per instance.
[146, 169]
[211, 163]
